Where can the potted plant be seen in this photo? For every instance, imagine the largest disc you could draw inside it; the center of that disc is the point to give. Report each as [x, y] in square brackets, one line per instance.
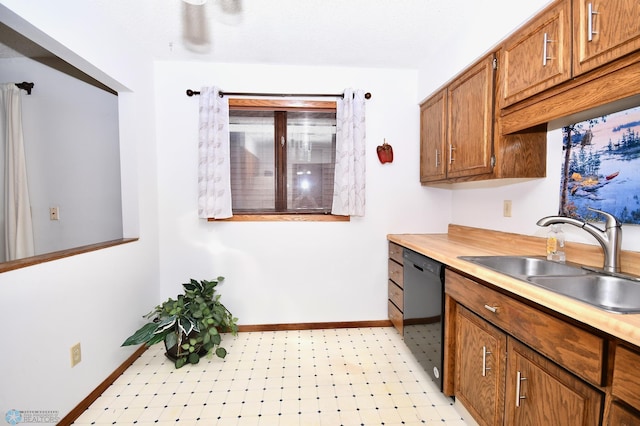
[190, 326]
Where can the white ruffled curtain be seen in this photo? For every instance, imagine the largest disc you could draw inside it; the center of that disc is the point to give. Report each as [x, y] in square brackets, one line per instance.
[18, 227]
[349, 179]
[214, 173]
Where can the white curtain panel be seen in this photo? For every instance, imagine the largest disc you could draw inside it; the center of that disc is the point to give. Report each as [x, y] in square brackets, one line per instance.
[214, 173]
[349, 179]
[17, 206]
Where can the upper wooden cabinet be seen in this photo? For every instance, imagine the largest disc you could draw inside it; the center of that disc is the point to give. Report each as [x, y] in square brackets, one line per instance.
[460, 133]
[538, 55]
[605, 62]
[604, 31]
[573, 57]
[470, 120]
[433, 137]
[456, 126]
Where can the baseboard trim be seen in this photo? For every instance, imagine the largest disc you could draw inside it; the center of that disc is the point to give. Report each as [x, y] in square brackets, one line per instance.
[91, 398]
[314, 325]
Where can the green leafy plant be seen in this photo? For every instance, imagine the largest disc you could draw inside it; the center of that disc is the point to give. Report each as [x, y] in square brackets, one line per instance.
[190, 325]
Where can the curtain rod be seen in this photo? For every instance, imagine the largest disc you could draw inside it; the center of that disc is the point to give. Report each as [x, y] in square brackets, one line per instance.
[297, 95]
[25, 86]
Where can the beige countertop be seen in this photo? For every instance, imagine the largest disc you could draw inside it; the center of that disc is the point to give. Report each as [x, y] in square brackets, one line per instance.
[462, 241]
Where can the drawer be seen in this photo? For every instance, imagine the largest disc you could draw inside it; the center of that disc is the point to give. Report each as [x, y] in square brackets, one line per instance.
[395, 252]
[396, 273]
[396, 317]
[573, 348]
[626, 381]
[396, 295]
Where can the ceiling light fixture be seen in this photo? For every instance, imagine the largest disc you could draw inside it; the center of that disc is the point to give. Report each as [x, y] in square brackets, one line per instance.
[195, 2]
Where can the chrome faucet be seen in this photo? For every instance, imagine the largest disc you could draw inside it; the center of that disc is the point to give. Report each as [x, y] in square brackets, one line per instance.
[610, 238]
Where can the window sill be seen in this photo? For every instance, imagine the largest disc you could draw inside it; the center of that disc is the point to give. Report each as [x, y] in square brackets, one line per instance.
[48, 257]
[284, 218]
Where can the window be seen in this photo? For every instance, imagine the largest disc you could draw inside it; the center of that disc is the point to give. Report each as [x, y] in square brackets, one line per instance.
[282, 156]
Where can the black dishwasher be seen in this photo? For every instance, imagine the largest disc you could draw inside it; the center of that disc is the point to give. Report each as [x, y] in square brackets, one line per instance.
[423, 311]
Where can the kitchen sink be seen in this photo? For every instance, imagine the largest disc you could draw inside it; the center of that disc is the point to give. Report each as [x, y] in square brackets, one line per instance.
[525, 266]
[610, 292]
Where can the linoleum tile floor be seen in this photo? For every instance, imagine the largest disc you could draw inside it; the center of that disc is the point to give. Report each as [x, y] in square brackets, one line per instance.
[348, 376]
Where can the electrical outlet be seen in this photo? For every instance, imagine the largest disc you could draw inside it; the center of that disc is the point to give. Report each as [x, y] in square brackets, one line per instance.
[54, 213]
[506, 208]
[76, 354]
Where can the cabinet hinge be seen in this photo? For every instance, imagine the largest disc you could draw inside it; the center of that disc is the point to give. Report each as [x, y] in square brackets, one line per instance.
[495, 63]
[493, 161]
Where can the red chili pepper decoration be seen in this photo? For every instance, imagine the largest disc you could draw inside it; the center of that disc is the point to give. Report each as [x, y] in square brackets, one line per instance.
[385, 153]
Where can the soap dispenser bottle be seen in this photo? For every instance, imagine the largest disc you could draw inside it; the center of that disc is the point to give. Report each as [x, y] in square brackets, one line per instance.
[555, 244]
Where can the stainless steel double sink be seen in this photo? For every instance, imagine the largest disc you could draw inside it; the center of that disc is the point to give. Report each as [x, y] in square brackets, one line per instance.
[611, 292]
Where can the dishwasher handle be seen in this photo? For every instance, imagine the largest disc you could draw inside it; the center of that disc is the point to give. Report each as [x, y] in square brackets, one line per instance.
[422, 263]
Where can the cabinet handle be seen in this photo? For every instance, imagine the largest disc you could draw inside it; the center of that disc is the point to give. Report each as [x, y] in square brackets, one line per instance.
[590, 13]
[519, 379]
[451, 149]
[485, 352]
[437, 159]
[545, 55]
[493, 309]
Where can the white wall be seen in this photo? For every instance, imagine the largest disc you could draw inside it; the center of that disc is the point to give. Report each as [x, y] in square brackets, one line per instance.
[72, 156]
[480, 204]
[490, 22]
[293, 272]
[96, 298]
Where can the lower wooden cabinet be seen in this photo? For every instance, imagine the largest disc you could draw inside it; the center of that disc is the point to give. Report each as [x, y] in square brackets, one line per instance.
[499, 379]
[539, 392]
[480, 367]
[621, 416]
[625, 388]
[395, 301]
[626, 378]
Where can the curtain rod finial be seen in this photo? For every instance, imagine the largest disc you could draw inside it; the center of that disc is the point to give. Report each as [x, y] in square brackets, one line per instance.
[25, 86]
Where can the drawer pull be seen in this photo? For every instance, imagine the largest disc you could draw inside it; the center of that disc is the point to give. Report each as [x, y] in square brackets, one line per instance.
[590, 30]
[519, 380]
[493, 309]
[485, 352]
[545, 55]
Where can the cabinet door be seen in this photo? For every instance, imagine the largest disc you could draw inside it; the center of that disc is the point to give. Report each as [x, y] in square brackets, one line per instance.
[620, 416]
[539, 55]
[470, 121]
[480, 367]
[626, 383]
[433, 134]
[538, 392]
[605, 30]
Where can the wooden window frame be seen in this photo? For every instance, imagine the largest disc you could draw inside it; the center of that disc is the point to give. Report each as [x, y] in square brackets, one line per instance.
[282, 105]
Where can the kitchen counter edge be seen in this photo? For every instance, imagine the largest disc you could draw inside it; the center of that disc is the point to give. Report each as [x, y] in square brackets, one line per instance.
[447, 248]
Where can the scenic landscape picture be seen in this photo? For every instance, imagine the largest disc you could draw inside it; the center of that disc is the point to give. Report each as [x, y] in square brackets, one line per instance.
[601, 167]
